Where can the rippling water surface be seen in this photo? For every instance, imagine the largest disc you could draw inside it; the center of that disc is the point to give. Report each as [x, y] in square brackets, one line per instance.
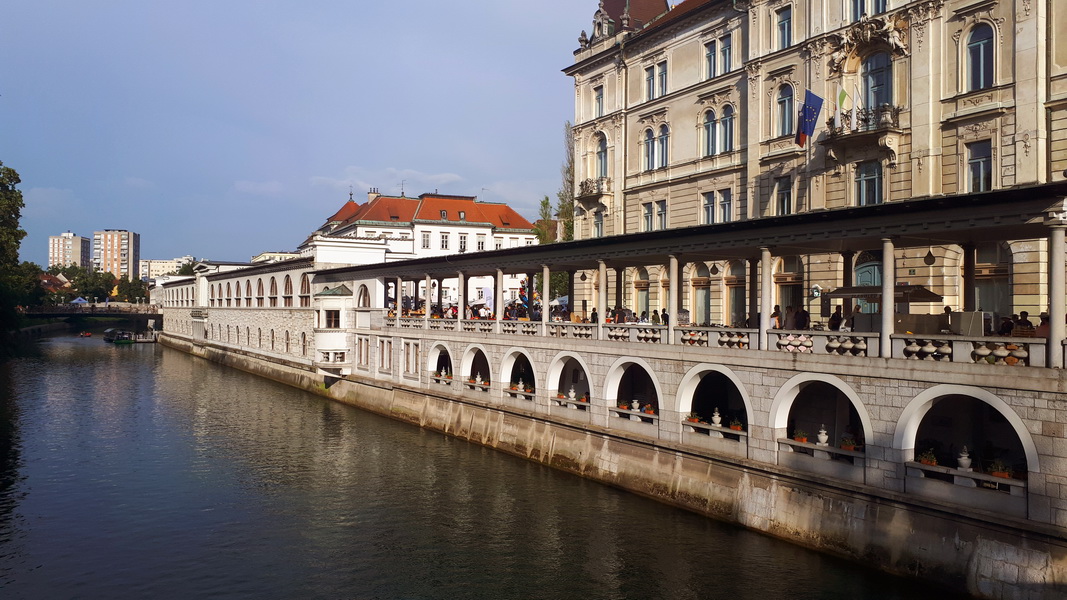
[140, 472]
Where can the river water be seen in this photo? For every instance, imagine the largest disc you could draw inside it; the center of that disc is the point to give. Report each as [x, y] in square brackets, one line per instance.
[140, 472]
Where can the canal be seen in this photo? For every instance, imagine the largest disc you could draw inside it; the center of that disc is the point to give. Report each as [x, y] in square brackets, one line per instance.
[141, 472]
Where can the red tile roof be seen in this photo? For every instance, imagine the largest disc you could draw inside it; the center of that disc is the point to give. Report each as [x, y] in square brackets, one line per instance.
[641, 11]
[679, 11]
[428, 207]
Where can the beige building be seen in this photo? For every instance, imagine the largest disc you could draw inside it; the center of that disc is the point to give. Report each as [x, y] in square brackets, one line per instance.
[118, 252]
[153, 268]
[68, 249]
[688, 116]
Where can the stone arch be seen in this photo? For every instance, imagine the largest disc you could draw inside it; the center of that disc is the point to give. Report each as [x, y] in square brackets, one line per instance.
[615, 376]
[558, 368]
[691, 381]
[475, 360]
[439, 358]
[363, 297]
[787, 394]
[908, 425]
[511, 361]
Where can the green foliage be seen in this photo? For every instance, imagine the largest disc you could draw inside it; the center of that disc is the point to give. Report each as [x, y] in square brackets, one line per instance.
[84, 282]
[187, 269]
[565, 195]
[131, 291]
[13, 288]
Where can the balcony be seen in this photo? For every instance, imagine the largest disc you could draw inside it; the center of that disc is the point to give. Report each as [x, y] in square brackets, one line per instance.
[885, 117]
[870, 128]
[591, 190]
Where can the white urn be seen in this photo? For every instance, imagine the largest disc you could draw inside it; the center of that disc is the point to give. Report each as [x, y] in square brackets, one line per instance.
[716, 419]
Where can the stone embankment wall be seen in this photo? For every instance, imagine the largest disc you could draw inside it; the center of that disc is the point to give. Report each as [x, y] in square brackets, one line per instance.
[991, 558]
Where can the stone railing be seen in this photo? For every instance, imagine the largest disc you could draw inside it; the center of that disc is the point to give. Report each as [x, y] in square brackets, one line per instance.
[642, 333]
[714, 337]
[824, 460]
[966, 487]
[581, 331]
[825, 342]
[593, 187]
[575, 403]
[984, 350]
[477, 325]
[520, 327]
[633, 415]
[718, 431]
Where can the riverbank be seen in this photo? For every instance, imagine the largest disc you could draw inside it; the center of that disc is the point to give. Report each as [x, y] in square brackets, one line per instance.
[987, 555]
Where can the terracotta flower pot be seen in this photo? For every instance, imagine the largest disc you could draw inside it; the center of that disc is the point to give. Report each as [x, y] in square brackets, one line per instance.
[849, 447]
[738, 428]
[932, 463]
[801, 439]
[1001, 474]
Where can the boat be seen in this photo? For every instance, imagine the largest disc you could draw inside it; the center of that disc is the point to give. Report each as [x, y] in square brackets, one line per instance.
[123, 337]
[85, 334]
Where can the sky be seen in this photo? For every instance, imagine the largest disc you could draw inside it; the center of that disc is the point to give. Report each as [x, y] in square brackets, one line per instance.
[226, 128]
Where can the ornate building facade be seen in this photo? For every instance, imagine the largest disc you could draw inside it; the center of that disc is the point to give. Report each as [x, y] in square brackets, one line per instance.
[689, 118]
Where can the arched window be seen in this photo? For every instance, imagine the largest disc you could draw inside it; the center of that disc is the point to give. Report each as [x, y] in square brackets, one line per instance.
[248, 291]
[711, 132]
[303, 344]
[287, 342]
[273, 292]
[664, 142]
[229, 296]
[237, 300]
[211, 298]
[785, 110]
[877, 80]
[650, 150]
[259, 293]
[287, 291]
[305, 290]
[727, 127]
[980, 58]
[602, 156]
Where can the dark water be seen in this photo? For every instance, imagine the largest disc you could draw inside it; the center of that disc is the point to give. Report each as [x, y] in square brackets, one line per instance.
[140, 472]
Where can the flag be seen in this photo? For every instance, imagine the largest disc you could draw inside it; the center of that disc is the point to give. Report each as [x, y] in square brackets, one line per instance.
[809, 114]
[855, 105]
[842, 95]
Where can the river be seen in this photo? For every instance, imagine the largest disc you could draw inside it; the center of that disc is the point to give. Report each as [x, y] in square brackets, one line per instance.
[141, 472]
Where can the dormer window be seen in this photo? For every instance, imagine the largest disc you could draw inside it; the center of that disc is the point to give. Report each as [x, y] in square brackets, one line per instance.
[444, 215]
[462, 215]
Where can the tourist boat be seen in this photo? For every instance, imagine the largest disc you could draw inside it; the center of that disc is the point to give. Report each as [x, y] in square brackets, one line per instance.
[118, 336]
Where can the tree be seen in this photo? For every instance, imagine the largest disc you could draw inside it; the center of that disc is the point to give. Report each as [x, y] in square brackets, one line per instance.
[187, 269]
[545, 228]
[565, 195]
[12, 276]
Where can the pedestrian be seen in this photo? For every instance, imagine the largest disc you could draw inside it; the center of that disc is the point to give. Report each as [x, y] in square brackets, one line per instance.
[666, 318]
[655, 318]
[1043, 327]
[803, 319]
[593, 316]
[835, 319]
[776, 317]
[790, 321]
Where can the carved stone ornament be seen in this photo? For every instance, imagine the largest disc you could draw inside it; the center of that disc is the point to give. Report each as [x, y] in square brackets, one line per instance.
[889, 30]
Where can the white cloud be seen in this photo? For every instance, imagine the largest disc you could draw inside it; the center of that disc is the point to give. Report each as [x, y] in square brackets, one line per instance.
[138, 183]
[388, 181]
[259, 188]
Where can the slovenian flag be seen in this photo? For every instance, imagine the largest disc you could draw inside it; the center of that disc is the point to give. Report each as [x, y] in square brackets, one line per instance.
[809, 114]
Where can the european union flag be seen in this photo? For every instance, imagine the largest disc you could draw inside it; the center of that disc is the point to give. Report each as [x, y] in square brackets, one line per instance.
[809, 114]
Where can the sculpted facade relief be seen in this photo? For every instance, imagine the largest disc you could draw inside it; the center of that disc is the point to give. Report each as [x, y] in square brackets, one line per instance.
[889, 30]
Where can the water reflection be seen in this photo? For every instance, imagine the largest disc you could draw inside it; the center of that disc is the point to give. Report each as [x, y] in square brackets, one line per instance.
[143, 472]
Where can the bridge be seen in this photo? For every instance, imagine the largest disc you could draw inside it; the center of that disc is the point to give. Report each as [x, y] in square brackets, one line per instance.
[122, 311]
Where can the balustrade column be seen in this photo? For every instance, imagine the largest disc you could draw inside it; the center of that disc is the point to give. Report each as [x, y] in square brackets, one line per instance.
[752, 293]
[970, 260]
[889, 278]
[498, 301]
[602, 294]
[1056, 295]
[461, 309]
[620, 276]
[545, 274]
[429, 301]
[672, 297]
[766, 300]
[570, 292]
[399, 300]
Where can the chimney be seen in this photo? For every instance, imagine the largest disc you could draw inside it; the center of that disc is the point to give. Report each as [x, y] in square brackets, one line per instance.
[372, 194]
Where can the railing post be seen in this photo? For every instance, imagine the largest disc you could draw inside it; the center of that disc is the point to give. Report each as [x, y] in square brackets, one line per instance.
[545, 290]
[672, 297]
[765, 297]
[602, 298]
[1056, 295]
[429, 299]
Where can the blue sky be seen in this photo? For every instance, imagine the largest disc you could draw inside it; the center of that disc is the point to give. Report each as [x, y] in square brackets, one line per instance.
[223, 129]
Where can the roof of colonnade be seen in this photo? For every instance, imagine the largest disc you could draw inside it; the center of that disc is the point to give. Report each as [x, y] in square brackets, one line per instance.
[1017, 213]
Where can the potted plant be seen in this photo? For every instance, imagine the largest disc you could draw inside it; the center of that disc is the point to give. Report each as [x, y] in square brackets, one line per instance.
[584, 398]
[800, 435]
[560, 396]
[848, 442]
[692, 417]
[999, 468]
[927, 457]
[735, 424]
[514, 387]
[624, 406]
[649, 410]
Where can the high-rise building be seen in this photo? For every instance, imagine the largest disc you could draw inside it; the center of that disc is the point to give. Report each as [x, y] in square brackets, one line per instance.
[68, 249]
[118, 252]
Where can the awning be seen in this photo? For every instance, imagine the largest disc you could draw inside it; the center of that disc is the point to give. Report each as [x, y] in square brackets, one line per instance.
[873, 293]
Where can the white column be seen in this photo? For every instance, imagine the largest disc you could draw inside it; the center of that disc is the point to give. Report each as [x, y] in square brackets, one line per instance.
[1056, 296]
[429, 300]
[461, 309]
[889, 281]
[498, 301]
[545, 274]
[602, 298]
[672, 297]
[766, 300]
